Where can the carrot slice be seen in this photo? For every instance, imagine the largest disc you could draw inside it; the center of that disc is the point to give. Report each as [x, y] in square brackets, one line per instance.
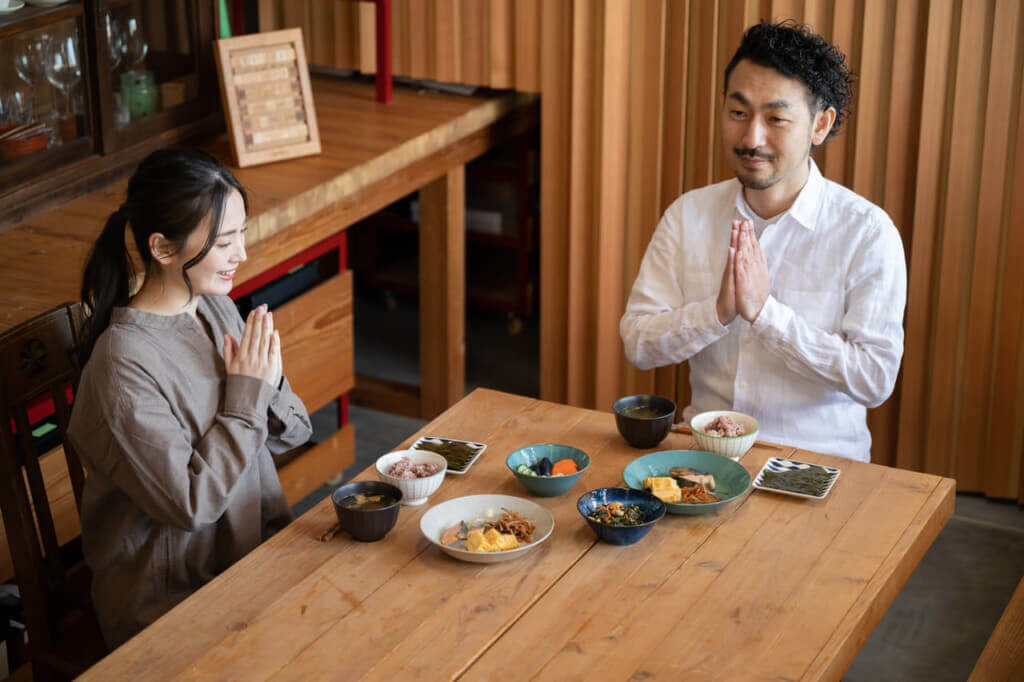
[564, 466]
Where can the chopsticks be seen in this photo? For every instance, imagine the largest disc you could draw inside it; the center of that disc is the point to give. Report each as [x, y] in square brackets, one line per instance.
[683, 428]
[23, 131]
[329, 533]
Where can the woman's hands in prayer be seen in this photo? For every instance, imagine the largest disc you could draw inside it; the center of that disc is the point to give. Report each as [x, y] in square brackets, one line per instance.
[745, 280]
[258, 353]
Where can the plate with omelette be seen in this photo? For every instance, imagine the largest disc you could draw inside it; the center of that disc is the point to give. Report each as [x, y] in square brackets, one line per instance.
[688, 481]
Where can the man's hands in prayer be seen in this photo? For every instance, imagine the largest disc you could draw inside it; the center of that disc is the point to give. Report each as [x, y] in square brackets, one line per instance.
[752, 280]
[726, 304]
[745, 280]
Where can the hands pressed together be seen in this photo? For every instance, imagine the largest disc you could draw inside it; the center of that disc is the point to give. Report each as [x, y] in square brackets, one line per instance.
[745, 280]
[258, 353]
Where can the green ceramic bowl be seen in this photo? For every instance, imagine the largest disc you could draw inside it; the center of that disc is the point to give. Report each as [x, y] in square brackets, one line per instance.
[731, 479]
[547, 486]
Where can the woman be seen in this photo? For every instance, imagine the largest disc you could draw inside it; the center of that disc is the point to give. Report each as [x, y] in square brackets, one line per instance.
[180, 405]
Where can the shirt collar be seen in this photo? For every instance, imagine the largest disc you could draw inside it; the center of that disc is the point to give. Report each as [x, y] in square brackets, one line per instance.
[805, 208]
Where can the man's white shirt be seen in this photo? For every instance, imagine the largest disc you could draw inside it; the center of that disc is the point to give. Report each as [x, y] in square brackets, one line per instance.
[829, 340]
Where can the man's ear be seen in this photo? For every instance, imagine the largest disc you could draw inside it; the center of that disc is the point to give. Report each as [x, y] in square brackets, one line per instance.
[161, 248]
[823, 121]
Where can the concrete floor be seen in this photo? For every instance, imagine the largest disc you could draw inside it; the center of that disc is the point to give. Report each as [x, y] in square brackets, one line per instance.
[935, 629]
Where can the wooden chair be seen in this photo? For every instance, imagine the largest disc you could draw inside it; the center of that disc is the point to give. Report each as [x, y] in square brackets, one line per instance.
[37, 360]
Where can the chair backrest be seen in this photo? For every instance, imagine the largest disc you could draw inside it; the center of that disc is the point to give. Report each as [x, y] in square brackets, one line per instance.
[37, 364]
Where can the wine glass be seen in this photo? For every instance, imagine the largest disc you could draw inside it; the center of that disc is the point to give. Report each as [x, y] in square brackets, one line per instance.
[135, 46]
[115, 41]
[64, 67]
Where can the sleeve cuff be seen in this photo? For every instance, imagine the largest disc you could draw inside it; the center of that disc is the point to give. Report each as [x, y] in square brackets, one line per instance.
[247, 395]
[774, 317]
[707, 318]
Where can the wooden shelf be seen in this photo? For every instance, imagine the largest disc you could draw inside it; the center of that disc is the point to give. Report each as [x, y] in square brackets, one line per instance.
[28, 17]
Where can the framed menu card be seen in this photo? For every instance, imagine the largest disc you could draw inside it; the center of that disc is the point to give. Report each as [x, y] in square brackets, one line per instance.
[264, 83]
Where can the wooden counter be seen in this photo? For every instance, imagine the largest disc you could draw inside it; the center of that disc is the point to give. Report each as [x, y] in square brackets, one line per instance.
[770, 587]
[373, 154]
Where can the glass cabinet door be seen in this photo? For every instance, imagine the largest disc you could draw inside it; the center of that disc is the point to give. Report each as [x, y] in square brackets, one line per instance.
[46, 110]
[155, 62]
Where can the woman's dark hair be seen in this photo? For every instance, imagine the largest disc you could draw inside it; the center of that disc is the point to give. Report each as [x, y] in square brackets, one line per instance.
[795, 51]
[171, 193]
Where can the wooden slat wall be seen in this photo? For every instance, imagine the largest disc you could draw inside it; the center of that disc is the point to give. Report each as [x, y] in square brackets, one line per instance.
[630, 107]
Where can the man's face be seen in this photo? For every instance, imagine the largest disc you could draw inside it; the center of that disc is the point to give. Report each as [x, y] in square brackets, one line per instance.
[768, 127]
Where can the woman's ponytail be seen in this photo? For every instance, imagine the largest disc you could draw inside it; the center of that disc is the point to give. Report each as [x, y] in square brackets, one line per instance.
[108, 280]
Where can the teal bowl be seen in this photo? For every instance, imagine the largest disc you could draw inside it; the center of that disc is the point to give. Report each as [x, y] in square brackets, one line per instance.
[547, 486]
[731, 479]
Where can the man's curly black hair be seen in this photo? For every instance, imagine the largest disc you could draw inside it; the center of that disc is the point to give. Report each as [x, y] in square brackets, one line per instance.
[795, 51]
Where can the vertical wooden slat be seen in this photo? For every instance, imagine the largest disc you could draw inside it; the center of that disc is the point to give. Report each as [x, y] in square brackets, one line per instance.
[787, 9]
[420, 32]
[1002, 51]
[644, 204]
[445, 41]
[367, 38]
[585, 45]
[500, 23]
[555, 109]
[927, 213]
[346, 35]
[676, 46]
[612, 183]
[473, 59]
[527, 46]
[961, 190]
[700, 120]
[400, 37]
[838, 151]
[321, 32]
[269, 15]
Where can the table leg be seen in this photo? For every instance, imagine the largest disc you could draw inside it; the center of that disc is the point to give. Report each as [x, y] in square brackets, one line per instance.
[442, 235]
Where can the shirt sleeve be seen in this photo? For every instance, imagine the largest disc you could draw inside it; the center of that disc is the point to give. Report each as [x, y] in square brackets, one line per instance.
[288, 422]
[863, 359]
[175, 481]
[664, 324]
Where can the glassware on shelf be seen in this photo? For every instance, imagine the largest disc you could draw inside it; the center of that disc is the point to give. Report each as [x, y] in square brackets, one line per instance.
[135, 46]
[64, 71]
[115, 40]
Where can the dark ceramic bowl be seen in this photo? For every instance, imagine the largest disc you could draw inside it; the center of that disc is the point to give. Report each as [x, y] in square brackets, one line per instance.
[367, 525]
[653, 508]
[644, 432]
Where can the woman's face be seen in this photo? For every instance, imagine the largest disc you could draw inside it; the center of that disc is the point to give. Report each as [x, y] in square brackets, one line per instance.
[213, 275]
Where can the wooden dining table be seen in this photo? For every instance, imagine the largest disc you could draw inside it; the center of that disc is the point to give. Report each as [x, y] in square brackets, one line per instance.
[769, 587]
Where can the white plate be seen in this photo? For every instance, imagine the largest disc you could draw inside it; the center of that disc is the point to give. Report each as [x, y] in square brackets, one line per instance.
[477, 448]
[45, 3]
[782, 464]
[483, 507]
[13, 7]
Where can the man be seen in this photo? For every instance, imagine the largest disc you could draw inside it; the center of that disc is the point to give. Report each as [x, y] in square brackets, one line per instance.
[784, 290]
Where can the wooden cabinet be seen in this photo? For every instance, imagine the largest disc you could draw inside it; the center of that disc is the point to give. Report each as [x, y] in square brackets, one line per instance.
[103, 82]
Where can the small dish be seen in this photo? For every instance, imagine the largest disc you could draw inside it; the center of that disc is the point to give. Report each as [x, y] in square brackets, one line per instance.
[472, 450]
[780, 465]
[415, 491]
[547, 486]
[653, 508]
[470, 508]
[14, 6]
[731, 479]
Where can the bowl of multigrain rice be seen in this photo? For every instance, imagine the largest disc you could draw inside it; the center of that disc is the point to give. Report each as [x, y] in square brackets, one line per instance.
[417, 473]
[724, 432]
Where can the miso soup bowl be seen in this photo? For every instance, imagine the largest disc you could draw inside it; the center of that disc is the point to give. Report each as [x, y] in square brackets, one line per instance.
[367, 525]
[644, 432]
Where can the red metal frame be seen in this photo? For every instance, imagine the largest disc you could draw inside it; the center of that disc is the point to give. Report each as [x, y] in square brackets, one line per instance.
[383, 30]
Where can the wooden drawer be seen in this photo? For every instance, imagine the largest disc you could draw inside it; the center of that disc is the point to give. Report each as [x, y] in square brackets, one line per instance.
[317, 341]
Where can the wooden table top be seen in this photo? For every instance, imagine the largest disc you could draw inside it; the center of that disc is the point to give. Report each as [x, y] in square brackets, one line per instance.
[772, 586]
[363, 142]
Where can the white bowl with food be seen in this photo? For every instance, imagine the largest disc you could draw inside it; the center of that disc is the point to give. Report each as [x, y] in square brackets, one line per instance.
[725, 432]
[417, 473]
[487, 524]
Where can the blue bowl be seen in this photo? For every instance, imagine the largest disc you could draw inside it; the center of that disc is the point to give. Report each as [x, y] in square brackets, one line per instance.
[653, 508]
[547, 486]
[732, 479]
